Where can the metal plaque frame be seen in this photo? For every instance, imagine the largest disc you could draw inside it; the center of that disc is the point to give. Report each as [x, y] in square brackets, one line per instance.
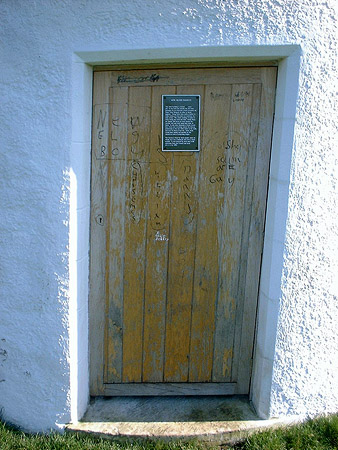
[181, 123]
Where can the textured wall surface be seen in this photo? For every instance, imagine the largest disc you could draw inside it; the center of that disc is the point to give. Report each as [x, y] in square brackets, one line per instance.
[37, 42]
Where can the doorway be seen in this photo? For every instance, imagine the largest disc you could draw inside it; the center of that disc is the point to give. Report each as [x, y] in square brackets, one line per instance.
[177, 236]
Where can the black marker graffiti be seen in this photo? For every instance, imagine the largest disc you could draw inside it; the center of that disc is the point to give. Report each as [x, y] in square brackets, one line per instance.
[152, 78]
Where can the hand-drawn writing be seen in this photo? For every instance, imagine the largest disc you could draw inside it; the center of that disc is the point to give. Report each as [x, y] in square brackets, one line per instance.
[152, 78]
[115, 151]
[160, 237]
[216, 96]
[134, 140]
[158, 192]
[230, 144]
[187, 194]
[135, 137]
[135, 122]
[108, 138]
[101, 119]
[158, 211]
[240, 96]
[105, 131]
[215, 179]
[100, 127]
[162, 158]
[135, 192]
[228, 165]
[103, 150]
[104, 153]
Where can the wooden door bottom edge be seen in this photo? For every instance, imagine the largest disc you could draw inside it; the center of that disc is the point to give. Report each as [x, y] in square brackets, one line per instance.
[168, 389]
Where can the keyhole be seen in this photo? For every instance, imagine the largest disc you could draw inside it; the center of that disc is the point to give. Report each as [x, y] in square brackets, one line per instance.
[99, 220]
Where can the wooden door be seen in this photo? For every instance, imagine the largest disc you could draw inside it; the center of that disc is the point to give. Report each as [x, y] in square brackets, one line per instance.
[176, 237]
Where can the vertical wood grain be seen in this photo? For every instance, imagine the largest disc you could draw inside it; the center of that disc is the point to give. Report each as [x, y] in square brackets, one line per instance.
[139, 103]
[236, 154]
[176, 237]
[211, 200]
[182, 244]
[116, 154]
[98, 223]
[250, 279]
[158, 232]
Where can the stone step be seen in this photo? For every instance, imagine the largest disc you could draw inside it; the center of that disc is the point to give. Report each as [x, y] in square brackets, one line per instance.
[216, 420]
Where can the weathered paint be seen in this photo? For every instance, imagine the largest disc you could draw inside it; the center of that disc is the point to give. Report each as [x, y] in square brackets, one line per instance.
[158, 194]
[139, 101]
[181, 259]
[172, 328]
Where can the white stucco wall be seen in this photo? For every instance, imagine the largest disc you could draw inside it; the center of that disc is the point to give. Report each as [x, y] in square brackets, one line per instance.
[45, 146]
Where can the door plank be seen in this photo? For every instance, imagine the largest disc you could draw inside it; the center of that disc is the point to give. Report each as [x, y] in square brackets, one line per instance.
[218, 99]
[158, 194]
[169, 389]
[116, 156]
[98, 222]
[256, 231]
[247, 211]
[211, 200]
[183, 77]
[139, 103]
[236, 156]
[181, 256]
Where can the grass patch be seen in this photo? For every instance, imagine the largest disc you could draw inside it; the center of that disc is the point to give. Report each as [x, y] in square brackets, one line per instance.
[317, 434]
[13, 439]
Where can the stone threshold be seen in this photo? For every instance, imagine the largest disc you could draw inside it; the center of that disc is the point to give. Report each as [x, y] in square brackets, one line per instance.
[217, 420]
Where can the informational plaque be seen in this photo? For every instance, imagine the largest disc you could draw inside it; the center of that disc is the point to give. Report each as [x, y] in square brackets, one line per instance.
[180, 123]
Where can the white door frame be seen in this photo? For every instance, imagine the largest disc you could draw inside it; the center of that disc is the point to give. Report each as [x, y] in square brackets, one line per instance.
[288, 59]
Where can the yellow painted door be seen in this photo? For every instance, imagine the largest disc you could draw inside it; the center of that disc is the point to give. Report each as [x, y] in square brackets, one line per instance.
[176, 237]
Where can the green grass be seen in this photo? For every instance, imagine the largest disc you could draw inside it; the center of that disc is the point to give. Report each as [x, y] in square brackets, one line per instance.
[12, 439]
[318, 434]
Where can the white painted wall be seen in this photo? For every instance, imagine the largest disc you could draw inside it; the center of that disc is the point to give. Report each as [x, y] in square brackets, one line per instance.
[45, 145]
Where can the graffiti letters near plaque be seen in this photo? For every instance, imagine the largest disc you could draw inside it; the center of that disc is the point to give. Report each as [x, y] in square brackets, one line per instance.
[181, 123]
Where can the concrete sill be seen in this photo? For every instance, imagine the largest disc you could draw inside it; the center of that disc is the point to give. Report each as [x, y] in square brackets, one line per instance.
[216, 420]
